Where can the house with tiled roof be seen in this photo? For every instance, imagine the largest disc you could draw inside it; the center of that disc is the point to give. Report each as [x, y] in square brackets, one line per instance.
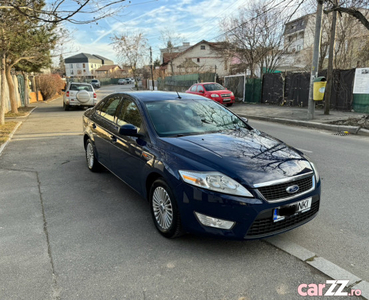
[85, 64]
[108, 70]
[201, 57]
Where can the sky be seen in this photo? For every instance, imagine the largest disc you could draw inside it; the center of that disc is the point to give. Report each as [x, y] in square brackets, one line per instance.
[193, 20]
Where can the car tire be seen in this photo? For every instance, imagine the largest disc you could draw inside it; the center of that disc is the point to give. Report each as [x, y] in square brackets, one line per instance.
[66, 106]
[164, 210]
[229, 104]
[92, 163]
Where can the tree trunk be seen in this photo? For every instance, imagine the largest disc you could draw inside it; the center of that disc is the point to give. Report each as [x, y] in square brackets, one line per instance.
[2, 91]
[13, 100]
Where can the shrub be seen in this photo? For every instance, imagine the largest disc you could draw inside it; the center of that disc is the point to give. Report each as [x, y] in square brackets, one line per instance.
[50, 85]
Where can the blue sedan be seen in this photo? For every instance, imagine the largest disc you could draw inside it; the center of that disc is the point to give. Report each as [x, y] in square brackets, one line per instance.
[202, 168]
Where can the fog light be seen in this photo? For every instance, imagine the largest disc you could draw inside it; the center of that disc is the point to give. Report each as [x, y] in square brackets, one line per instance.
[214, 222]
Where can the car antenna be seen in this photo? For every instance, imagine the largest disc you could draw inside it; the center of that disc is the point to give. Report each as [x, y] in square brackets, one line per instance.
[179, 97]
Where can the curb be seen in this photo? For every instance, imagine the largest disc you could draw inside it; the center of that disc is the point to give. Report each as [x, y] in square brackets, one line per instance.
[336, 128]
[322, 265]
[10, 137]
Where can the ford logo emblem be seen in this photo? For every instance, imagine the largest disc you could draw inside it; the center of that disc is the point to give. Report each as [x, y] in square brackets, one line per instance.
[292, 189]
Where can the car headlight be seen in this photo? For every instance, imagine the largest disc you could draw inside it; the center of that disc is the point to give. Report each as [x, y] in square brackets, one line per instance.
[215, 181]
[315, 171]
[214, 95]
[232, 94]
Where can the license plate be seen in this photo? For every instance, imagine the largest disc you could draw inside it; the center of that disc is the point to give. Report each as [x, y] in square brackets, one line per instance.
[280, 213]
[226, 99]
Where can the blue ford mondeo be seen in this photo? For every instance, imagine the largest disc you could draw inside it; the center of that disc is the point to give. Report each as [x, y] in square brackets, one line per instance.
[202, 168]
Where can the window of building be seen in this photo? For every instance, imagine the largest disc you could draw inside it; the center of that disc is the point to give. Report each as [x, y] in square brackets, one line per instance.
[298, 48]
[202, 47]
[198, 59]
[71, 66]
[84, 66]
[71, 72]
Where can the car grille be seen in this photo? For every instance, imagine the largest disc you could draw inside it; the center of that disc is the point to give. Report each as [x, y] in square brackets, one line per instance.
[266, 226]
[278, 191]
[226, 95]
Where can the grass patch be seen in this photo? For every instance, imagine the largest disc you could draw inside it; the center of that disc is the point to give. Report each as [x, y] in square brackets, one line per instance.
[6, 130]
[22, 111]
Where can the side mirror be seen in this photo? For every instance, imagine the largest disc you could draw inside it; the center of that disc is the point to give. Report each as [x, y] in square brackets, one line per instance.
[129, 130]
[202, 91]
[244, 119]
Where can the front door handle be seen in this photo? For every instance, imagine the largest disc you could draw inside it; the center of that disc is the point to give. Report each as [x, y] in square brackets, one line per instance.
[113, 138]
[93, 125]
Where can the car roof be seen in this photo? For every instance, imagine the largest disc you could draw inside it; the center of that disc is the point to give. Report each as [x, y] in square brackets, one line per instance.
[148, 96]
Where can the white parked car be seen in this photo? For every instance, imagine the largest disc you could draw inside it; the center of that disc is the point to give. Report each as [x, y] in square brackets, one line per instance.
[79, 94]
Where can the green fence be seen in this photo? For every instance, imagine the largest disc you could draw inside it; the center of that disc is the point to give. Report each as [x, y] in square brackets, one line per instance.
[253, 90]
[361, 103]
[21, 89]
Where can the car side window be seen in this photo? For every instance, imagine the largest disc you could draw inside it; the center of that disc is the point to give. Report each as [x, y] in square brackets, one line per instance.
[109, 108]
[193, 89]
[129, 114]
[200, 88]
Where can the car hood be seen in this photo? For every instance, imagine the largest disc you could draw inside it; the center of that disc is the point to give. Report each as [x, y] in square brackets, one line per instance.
[248, 156]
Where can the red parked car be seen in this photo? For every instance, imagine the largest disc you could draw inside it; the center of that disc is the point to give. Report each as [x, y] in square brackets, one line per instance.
[214, 91]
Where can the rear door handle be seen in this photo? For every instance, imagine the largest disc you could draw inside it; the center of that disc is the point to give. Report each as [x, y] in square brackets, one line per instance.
[93, 125]
[113, 138]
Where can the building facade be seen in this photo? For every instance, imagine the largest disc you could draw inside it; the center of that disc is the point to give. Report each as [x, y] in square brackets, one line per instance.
[85, 65]
[199, 58]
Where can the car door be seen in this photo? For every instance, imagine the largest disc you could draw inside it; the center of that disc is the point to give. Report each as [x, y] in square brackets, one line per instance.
[127, 158]
[104, 127]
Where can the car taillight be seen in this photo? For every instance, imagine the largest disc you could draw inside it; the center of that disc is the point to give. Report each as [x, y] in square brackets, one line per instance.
[95, 95]
[67, 94]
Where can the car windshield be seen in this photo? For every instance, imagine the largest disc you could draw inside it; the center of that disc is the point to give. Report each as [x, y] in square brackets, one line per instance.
[188, 117]
[213, 87]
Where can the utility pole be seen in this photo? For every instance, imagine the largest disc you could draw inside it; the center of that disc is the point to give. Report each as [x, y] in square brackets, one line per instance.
[152, 73]
[314, 67]
[328, 90]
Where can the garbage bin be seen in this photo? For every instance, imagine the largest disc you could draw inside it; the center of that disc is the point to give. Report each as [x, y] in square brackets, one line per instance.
[319, 88]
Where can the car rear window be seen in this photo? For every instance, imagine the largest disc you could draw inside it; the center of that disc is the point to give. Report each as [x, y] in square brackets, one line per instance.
[80, 87]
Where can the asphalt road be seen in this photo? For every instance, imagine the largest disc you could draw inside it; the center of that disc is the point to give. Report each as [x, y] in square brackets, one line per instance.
[340, 231]
[68, 233]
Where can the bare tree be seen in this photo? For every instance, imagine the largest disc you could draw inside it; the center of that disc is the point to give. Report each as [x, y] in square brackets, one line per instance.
[170, 39]
[132, 50]
[59, 11]
[256, 36]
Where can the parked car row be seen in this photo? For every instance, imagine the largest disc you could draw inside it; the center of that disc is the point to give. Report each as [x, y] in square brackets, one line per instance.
[126, 81]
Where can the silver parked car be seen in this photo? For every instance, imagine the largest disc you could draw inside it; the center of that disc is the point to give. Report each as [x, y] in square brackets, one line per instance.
[79, 94]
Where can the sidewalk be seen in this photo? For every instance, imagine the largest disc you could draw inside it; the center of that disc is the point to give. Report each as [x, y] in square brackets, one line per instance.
[298, 116]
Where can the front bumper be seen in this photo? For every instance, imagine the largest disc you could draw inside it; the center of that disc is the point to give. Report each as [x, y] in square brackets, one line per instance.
[253, 217]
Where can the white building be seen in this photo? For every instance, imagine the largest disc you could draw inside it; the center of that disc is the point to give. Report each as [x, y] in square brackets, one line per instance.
[201, 57]
[84, 64]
